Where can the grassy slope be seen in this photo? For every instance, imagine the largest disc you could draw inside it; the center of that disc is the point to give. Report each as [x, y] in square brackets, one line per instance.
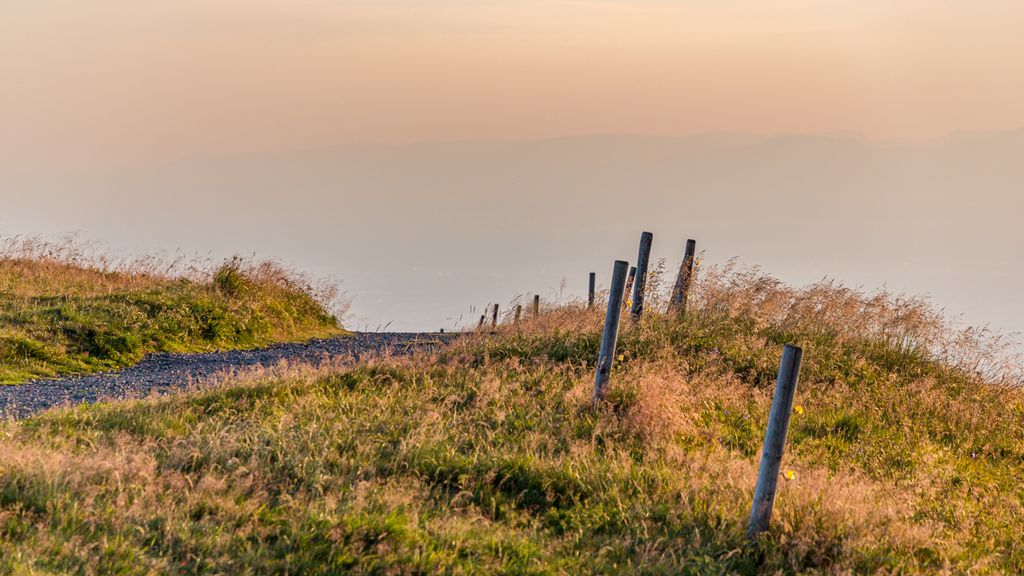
[488, 458]
[61, 317]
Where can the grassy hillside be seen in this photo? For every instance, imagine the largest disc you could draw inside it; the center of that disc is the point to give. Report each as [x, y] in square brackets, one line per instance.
[62, 313]
[906, 455]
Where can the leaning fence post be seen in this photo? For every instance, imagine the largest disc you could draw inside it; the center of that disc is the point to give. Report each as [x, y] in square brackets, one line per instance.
[536, 305]
[641, 274]
[592, 288]
[519, 312]
[682, 287]
[481, 325]
[494, 316]
[775, 440]
[611, 329]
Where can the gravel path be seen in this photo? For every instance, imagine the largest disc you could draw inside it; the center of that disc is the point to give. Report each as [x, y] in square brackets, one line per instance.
[162, 373]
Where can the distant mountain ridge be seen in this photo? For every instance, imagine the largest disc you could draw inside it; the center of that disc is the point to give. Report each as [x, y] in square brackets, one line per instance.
[421, 231]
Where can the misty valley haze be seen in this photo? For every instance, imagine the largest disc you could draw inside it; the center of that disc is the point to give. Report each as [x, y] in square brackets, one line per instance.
[418, 234]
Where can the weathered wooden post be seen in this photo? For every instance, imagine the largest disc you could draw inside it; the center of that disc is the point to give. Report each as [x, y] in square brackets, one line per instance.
[592, 289]
[536, 305]
[611, 329]
[640, 282]
[494, 316]
[481, 325]
[519, 312]
[775, 440]
[681, 289]
[629, 284]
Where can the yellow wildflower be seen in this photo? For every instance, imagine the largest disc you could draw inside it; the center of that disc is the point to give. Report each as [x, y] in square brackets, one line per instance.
[789, 475]
[798, 409]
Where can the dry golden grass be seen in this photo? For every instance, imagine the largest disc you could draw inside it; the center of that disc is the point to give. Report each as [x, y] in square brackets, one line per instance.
[63, 310]
[488, 456]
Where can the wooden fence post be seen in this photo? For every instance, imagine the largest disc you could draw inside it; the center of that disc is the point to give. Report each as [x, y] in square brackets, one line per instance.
[611, 329]
[682, 288]
[519, 312]
[775, 440]
[592, 289]
[481, 325]
[494, 316]
[640, 282]
[536, 305]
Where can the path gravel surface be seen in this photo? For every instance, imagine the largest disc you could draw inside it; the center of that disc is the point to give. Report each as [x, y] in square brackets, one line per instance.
[162, 373]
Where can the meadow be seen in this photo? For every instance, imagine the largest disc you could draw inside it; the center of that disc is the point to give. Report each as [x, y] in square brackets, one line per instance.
[905, 453]
[64, 310]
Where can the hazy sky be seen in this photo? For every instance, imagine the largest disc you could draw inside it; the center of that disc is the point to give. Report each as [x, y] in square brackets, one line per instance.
[119, 82]
[282, 128]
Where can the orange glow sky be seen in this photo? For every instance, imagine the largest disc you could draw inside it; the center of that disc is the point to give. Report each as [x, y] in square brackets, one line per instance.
[119, 82]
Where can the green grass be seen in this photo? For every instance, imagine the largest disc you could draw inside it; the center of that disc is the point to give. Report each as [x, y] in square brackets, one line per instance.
[488, 457]
[71, 318]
